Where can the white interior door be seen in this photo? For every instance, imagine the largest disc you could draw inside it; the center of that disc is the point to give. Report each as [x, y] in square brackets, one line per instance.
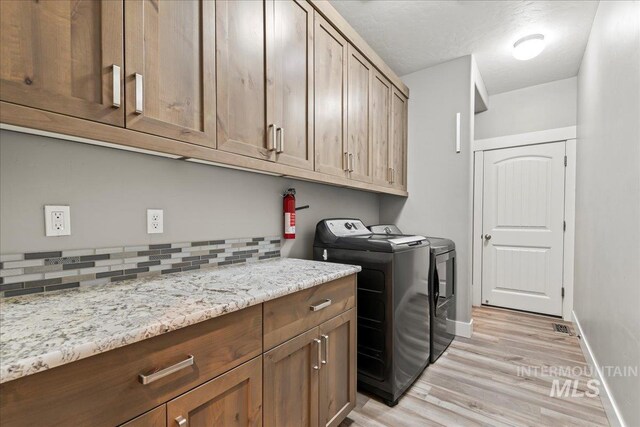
[523, 215]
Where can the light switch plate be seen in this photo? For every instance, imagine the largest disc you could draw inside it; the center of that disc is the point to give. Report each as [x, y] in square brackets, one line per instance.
[57, 220]
[155, 221]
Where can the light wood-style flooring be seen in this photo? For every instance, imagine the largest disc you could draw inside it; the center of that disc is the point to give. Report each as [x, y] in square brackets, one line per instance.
[476, 382]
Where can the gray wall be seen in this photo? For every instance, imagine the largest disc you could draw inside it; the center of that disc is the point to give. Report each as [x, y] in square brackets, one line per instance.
[439, 202]
[109, 191]
[546, 106]
[607, 257]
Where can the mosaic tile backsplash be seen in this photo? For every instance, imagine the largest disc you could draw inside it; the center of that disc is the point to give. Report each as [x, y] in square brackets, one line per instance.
[28, 273]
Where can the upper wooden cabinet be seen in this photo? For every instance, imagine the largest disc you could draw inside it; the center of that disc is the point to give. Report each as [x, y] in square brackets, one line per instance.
[284, 87]
[381, 129]
[398, 139]
[359, 80]
[64, 56]
[170, 69]
[241, 73]
[290, 81]
[266, 42]
[232, 399]
[331, 59]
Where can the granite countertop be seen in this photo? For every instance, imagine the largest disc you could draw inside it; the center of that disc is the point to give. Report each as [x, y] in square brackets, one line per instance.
[43, 331]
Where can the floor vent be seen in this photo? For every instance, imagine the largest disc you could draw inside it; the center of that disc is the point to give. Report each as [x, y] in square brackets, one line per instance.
[563, 329]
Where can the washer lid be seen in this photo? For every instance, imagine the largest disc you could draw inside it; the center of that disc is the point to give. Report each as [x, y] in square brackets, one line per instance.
[406, 240]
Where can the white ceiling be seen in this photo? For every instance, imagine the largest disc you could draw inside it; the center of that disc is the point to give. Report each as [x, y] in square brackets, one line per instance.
[414, 34]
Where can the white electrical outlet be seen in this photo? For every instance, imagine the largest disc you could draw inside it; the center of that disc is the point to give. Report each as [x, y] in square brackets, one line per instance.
[155, 221]
[57, 220]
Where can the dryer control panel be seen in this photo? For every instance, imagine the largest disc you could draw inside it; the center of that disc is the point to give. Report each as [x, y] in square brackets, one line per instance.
[347, 227]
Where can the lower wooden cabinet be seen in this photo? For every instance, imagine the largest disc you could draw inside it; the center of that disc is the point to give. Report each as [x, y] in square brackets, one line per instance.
[338, 371]
[154, 418]
[106, 389]
[310, 380]
[291, 315]
[232, 399]
[214, 373]
[291, 381]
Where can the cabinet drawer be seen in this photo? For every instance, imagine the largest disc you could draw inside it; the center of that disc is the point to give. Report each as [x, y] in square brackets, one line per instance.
[154, 418]
[105, 390]
[291, 315]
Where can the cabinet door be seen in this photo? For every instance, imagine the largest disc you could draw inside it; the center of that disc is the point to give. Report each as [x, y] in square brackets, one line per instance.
[291, 382]
[170, 65]
[290, 80]
[154, 418]
[381, 129]
[338, 373]
[63, 56]
[360, 73]
[232, 399]
[331, 57]
[398, 140]
[240, 70]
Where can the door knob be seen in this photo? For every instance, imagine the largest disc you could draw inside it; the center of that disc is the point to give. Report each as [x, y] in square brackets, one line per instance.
[487, 236]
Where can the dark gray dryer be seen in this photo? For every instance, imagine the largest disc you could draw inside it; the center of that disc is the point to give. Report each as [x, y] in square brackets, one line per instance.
[442, 288]
[442, 285]
[393, 302]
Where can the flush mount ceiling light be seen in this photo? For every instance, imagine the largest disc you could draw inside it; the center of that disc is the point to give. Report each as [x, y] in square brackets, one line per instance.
[528, 47]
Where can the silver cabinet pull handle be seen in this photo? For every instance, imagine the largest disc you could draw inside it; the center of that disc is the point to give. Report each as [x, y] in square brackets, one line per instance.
[318, 355]
[282, 140]
[271, 139]
[156, 375]
[116, 85]
[280, 147]
[389, 175]
[350, 162]
[325, 359]
[181, 421]
[139, 89]
[326, 303]
[346, 161]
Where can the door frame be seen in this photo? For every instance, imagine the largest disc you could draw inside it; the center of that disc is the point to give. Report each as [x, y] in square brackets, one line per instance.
[568, 135]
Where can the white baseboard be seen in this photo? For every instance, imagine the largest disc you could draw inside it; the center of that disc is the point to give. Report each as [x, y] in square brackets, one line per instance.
[608, 402]
[462, 329]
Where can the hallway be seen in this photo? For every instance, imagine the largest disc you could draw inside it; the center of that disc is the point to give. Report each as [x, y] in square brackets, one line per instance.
[480, 380]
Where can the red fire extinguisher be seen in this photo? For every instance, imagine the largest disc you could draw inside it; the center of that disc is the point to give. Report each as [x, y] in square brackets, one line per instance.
[289, 207]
